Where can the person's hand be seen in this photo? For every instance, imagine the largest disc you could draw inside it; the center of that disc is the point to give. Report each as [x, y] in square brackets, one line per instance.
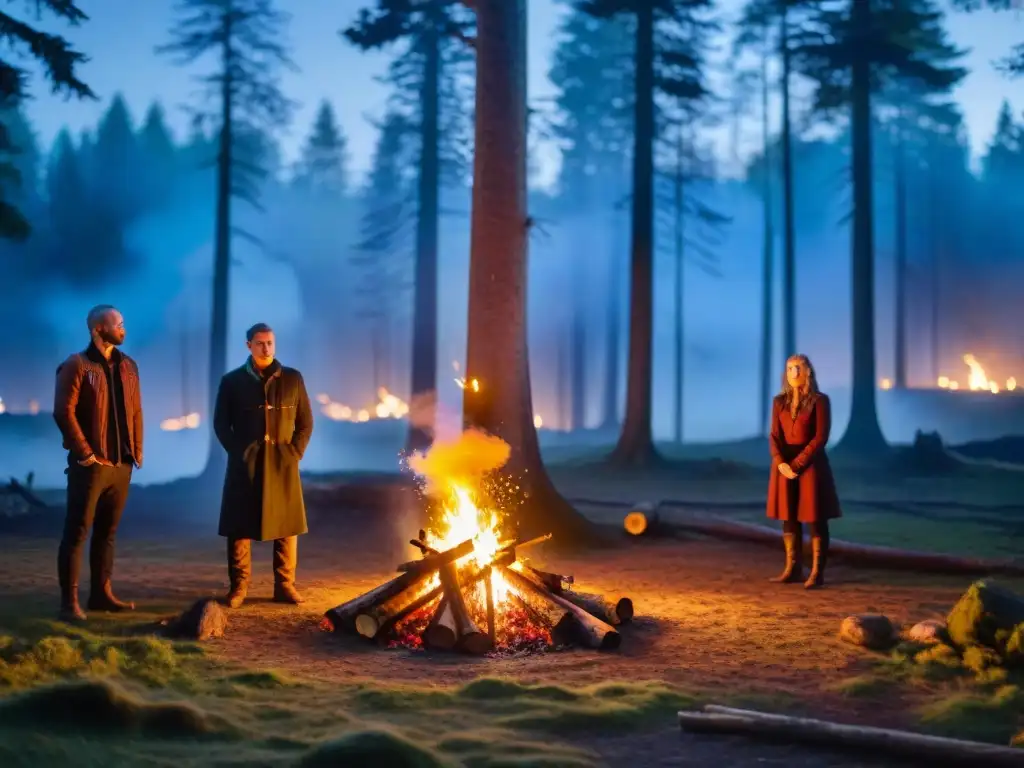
[787, 471]
[89, 460]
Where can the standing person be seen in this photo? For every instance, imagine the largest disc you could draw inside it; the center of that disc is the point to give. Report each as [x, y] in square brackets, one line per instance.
[264, 421]
[801, 488]
[98, 407]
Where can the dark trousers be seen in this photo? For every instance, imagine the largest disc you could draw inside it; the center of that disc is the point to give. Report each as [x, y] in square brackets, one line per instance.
[96, 499]
[286, 557]
[819, 530]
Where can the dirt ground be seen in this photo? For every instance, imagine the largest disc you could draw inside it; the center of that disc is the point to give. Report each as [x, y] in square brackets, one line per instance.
[706, 621]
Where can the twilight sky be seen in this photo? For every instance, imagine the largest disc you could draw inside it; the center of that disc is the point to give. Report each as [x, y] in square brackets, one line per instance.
[121, 35]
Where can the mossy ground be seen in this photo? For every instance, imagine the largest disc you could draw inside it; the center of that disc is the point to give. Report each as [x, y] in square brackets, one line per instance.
[277, 692]
[136, 699]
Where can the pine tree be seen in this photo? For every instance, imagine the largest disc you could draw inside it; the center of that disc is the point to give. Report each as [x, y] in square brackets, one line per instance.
[851, 49]
[59, 61]
[246, 36]
[422, 28]
[381, 255]
[590, 69]
[665, 61]
[786, 16]
[159, 154]
[1013, 63]
[323, 167]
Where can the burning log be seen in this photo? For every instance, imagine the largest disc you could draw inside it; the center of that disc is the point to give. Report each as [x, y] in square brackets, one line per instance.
[433, 562]
[553, 581]
[537, 602]
[344, 616]
[594, 632]
[372, 619]
[614, 610]
[441, 633]
[470, 638]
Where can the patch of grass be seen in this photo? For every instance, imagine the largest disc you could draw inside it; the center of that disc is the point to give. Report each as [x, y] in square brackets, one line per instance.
[372, 747]
[264, 678]
[974, 715]
[79, 653]
[100, 706]
[867, 686]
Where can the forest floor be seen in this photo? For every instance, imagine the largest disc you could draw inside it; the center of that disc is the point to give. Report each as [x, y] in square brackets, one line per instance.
[278, 690]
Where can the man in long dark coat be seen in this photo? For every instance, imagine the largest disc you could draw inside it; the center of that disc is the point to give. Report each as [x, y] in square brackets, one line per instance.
[264, 421]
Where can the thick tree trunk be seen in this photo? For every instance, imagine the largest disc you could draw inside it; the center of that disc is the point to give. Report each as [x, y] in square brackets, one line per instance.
[768, 257]
[863, 435]
[635, 446]
[936, 233]
[496, 349]
[900, 192]
[788, 220]
[216, 461]
[424, 317]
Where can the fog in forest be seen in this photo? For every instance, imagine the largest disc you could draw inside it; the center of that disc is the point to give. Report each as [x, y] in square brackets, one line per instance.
[124, 214]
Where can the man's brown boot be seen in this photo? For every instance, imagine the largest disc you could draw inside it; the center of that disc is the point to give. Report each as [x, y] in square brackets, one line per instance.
[239, 571]
[70, 611]
[286, 556]
[236, 596]
[102, 598]
[820, 554]
[794, 569]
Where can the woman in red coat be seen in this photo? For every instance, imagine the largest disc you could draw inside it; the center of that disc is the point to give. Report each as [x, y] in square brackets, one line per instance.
[801, 488]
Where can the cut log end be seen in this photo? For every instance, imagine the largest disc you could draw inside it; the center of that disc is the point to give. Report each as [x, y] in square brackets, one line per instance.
[439, 638]
[367, 626]
[624, 609]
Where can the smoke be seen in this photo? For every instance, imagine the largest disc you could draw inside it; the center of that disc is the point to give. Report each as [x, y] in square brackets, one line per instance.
[462, 461]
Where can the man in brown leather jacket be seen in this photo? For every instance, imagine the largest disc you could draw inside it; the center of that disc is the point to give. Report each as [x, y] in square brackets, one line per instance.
[98, 407]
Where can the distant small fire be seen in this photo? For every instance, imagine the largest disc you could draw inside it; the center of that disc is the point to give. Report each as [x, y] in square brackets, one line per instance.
[33, 408]
[388, 406]
[474, 386]
[177, 424]
[977, 380]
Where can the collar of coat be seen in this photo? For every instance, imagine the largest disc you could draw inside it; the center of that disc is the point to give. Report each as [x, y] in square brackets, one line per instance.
[92, 353]
[271, 371]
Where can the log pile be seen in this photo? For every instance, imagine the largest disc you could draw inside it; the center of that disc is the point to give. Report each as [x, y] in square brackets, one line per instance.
[436, 601]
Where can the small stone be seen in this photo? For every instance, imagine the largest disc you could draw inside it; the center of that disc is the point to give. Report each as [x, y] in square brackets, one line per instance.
[206, 619]
[927, 632]
[868, 630]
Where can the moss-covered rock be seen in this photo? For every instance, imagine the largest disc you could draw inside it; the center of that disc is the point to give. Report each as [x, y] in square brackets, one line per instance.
[869, 630]
[987, 615]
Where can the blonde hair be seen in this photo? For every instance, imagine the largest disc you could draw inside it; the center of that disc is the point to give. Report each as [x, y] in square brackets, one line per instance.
[797, 401]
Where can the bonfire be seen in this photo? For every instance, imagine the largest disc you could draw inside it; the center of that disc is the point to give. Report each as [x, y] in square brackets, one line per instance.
[471, 590]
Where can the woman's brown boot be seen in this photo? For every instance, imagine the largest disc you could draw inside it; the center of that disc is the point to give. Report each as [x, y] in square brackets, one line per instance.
[820, 555]
[794, 570]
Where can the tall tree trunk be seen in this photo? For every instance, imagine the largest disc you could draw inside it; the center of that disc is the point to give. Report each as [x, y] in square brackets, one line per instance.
[613, 320]
[563, 349]
[788, 220]
[900, 192]
[635, 446]
[679, 203]
[496, 348]
[216, 461]
[424, 316]
[768, 256]
[863, 435]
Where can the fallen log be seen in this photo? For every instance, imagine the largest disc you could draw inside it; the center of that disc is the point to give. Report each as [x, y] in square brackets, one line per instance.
[433, 562]
[469, 638]
[894, 743]
[614, 610]
[492, 629]
[344, 615]
[860, 554]
[592, 631]
[441, 633]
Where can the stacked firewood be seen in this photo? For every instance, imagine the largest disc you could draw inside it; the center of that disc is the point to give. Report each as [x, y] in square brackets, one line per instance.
[436, 582]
